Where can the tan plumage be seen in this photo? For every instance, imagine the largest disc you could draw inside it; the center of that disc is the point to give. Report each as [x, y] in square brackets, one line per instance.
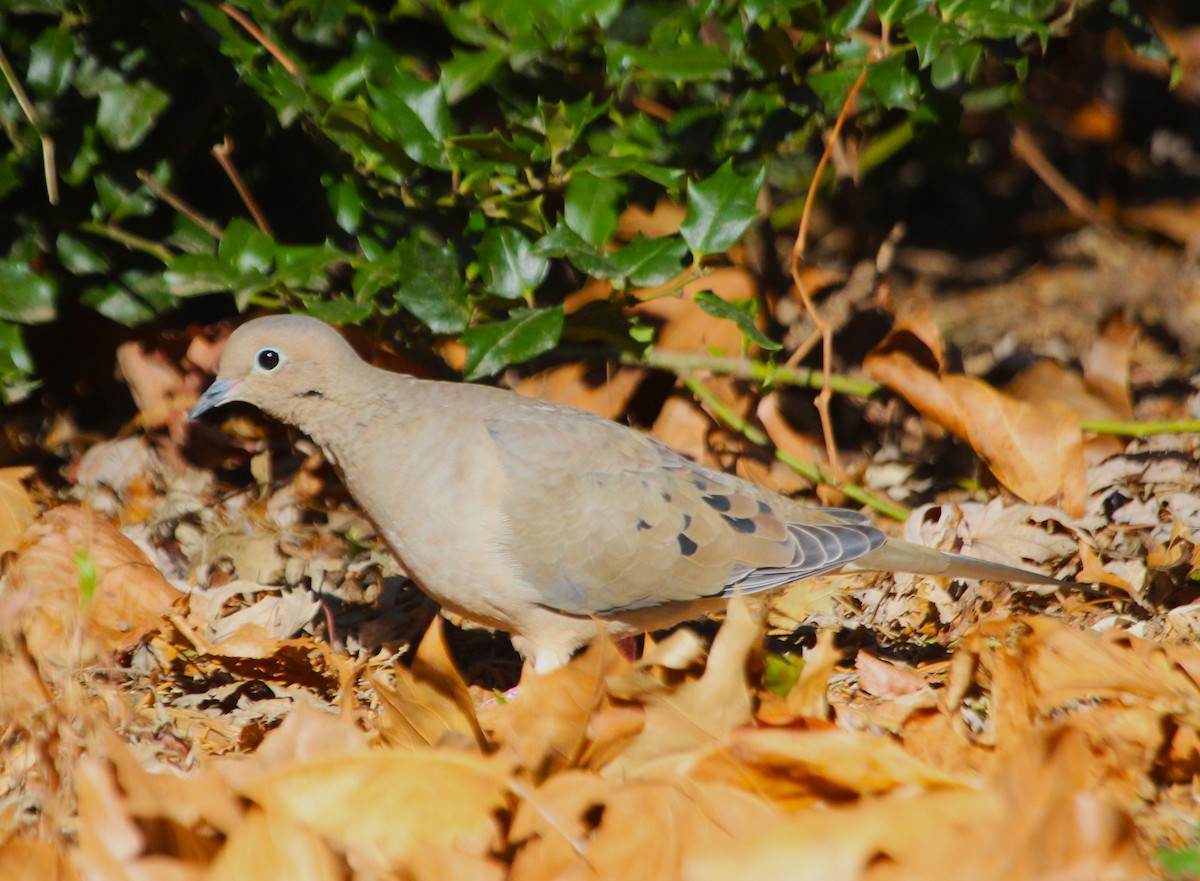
[537, 518]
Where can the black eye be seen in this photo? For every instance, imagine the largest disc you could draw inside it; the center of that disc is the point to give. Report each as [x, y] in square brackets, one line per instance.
[267, 359]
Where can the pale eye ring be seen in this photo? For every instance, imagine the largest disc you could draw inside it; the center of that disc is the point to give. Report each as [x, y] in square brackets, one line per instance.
[267, 359]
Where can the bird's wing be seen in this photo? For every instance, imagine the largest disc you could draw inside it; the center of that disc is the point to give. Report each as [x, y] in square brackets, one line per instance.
[603, 519]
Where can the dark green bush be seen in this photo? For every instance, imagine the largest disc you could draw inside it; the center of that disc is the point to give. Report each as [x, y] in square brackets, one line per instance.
[473, 158]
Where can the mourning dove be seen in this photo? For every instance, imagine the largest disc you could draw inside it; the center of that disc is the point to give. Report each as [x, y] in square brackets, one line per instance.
[540, 519]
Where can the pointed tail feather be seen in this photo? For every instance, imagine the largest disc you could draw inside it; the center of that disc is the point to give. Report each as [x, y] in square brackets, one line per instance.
[902, 556]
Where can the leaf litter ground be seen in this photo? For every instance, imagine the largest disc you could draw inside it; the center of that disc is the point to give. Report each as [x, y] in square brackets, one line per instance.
[203, 679]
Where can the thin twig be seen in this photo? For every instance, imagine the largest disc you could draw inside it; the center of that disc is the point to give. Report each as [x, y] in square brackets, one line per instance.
[263, 40]
[1077, 203]
[179, 205]
[224, 155]
[805, 469]
[798, 249]
[31, 115]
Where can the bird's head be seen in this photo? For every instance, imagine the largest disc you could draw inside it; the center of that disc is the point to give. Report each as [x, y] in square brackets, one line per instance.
[281, 364]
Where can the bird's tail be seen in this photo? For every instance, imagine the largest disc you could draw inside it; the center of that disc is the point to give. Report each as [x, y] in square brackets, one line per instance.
[903, 556]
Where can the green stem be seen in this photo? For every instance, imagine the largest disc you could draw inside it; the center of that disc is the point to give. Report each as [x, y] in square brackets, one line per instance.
[806, 470]
[128, 239]
[681, 363]
[1140, 429]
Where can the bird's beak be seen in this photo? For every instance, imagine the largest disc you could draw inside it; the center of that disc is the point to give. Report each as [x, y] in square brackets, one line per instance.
[216, 395]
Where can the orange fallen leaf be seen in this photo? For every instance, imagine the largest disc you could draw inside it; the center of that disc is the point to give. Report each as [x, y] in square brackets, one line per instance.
[1036, 451]
[17, 509]
[73, 570]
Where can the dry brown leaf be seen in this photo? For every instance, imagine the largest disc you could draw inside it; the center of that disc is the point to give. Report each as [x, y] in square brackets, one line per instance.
[65, 555]
[589, 386]
[685, 428]
[1107, 364]
[794, 768]
[809, 696]
[1037, 667]
[579, 826]
[663, 220]
[29, 860]
[252, 653]
[384, 805]
[266, 847]
[783, 436]
[1036, 820]
[1036, 451]
[17, 510]
[548, 725]
[685, 327]
[698, 711]
[884, 679]
[430, 703]
[305, 734]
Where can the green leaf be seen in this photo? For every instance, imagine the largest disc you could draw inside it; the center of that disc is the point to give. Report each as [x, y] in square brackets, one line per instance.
[416, 115]
[955, 63]
[465, 72]
[781, 672]
[246, 247]
[849, 17]
[590, 207]
[892, 11]
[510, 268]
[190, 275]
[719, 210]
[740, 312]
[526, 334]
[682, 64]
[562, 241]
[346, 203]
[127, 113]
[16, 365]
[51, 62]
[1180, 863]
[893, 83]
[79, 258]
[119, 202]
[429, 286]
[118, 304]
[339, 310]
[929, 34]
[648, 262]
[25, 296]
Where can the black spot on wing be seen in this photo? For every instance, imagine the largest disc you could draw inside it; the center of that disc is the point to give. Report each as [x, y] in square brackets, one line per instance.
[818, 549]
[718, 503]
[687, 520]
[642, 524]
[687, 547]
[764, 508]
[741, 524]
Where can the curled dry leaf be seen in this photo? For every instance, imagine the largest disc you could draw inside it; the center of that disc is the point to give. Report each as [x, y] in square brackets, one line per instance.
[17, 509]
[32, 860]
[549, 724]
[383, 806]
[1034, 450]
[267, 847]
[429, 704]
[75, 570]
[796, 768]
[1034, 820]
[577, 825]
[698, 711]
[884, 679]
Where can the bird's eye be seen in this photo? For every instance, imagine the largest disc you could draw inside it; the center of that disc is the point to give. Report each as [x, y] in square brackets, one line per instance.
[268, 359]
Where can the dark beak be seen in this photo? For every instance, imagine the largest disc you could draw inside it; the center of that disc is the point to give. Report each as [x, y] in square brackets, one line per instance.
[216, 395]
